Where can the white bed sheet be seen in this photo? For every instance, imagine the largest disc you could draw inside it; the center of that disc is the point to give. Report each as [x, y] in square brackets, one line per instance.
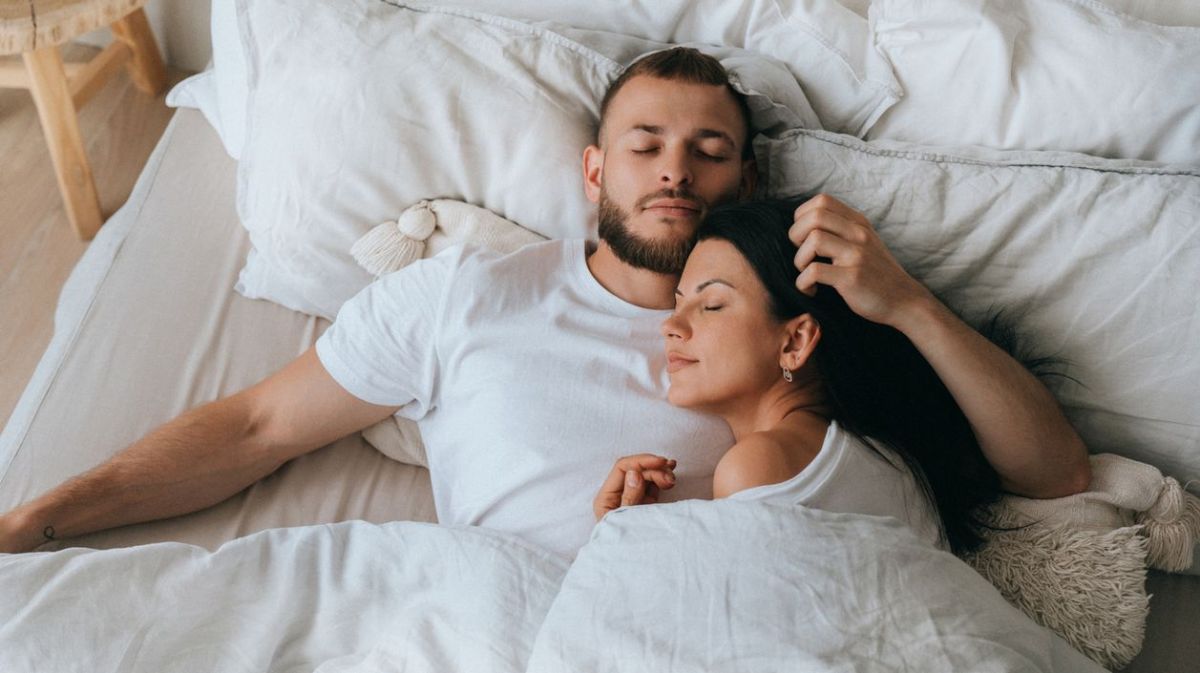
[148, 325]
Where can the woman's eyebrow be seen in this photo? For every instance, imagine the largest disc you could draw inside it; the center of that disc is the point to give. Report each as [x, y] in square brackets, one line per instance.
[701, 286]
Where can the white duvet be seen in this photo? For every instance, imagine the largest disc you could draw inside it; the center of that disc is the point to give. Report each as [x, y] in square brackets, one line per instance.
[690, 586]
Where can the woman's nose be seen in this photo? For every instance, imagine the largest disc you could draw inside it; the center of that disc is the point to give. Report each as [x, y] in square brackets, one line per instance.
[674, 328]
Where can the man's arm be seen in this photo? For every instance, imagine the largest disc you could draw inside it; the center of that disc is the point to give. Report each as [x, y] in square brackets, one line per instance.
[200, 458]
[1018, 423]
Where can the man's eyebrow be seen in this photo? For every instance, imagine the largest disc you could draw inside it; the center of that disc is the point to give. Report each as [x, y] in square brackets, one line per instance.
[701, 286]
[701, 134]
[714, 133]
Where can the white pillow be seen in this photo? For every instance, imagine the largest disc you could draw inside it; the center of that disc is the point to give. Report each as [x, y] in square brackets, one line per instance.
[358, 109]
[1040, 74]
[1098, 262]
[826, 46]
[220, 91]
[753, 586]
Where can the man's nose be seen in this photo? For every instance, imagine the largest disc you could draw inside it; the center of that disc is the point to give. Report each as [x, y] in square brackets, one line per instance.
[676, 168]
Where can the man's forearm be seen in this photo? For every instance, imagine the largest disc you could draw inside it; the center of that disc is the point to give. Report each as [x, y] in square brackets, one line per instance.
[1019, 424]
[194, 461]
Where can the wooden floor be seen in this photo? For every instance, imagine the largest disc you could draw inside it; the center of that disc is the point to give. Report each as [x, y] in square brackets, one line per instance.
[38, 247]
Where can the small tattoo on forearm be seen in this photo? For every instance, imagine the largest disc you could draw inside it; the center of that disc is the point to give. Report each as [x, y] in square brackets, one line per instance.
[48, 533]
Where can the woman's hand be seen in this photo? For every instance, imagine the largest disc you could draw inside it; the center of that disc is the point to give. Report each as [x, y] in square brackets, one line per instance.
[634, 480]
[859, 266]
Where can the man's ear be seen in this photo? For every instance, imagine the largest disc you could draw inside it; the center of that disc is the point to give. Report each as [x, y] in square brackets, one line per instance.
[749, 179]
[803, 335]
[593, 172]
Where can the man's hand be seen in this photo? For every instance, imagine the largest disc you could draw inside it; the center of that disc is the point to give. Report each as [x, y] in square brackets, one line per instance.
[634, 480]
[859, 266]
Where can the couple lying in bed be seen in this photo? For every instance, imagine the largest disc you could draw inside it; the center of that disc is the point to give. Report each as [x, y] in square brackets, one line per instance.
[530, 374]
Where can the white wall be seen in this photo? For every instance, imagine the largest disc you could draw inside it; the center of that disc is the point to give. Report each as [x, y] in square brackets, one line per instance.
[182, 30]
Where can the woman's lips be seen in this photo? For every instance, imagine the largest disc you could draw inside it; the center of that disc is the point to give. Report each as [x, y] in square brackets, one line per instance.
[675, 362]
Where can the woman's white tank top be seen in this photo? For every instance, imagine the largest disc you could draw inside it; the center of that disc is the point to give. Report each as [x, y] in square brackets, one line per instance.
[848, 476]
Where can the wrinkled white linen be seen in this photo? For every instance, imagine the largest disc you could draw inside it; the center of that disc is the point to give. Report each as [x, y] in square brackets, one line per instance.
[351, 596]
[1067, 75]
[757, 587]
[690, 586]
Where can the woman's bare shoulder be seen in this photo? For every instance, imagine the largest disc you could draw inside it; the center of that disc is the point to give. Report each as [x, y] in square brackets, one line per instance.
[768, 457]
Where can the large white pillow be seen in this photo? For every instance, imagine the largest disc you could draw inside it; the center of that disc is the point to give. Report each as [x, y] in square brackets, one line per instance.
[1040, 74]
[360, 108]
[1097, 261]
[699, 586]
[826, 46]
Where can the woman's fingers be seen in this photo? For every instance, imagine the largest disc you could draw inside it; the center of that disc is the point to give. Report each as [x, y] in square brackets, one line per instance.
[635, 480]
[635, 488]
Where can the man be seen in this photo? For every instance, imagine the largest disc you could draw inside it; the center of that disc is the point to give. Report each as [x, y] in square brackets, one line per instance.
[531, 373]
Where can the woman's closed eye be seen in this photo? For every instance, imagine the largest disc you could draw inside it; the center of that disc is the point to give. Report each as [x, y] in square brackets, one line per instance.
[714, 307]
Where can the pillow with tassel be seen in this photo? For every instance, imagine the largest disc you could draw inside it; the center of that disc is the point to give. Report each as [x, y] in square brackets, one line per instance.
[424, 230]
[1077, 565]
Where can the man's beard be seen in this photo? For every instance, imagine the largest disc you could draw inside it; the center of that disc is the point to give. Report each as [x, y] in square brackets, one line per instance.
[666, 257]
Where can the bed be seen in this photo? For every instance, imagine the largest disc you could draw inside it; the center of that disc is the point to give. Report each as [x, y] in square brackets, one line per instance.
[331, 564]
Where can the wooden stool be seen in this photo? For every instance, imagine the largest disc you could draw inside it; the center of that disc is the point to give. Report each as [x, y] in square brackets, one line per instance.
[35, 28]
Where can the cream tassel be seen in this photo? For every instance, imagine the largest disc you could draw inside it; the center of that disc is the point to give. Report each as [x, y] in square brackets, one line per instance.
[1173, 525]
[394, 245]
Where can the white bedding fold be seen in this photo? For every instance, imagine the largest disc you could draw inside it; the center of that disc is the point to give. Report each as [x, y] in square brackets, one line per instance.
[349, 596]
[690, 586]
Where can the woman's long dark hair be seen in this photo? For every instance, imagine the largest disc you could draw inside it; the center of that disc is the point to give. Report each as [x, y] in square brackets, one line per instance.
[878, 384]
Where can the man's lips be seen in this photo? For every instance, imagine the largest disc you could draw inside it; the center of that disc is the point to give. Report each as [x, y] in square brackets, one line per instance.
[675, 362]
[675, 207]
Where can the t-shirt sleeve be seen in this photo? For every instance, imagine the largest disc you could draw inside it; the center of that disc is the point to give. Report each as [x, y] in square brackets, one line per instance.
[383, 346]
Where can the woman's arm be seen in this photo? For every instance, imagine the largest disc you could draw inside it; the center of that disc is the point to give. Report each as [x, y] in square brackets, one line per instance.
[1018, 423]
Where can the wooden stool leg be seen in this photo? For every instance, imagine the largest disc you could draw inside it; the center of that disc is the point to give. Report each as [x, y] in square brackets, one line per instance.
[52, 95]
[146, 69]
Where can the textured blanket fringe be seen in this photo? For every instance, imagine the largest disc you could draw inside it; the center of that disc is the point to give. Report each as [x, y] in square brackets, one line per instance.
[1172, 525]
[393, 245]
[1087, 587]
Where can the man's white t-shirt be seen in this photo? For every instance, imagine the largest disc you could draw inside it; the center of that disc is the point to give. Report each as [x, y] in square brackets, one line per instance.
[527, 379]
[851, 477]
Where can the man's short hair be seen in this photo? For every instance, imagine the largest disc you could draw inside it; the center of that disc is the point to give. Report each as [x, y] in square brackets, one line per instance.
[681, 64]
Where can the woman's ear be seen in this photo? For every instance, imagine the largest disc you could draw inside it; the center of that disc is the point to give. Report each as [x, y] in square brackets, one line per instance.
[803, 335]
[593, 172]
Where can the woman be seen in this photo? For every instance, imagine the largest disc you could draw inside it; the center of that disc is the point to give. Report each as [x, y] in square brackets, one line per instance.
[802, 382]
